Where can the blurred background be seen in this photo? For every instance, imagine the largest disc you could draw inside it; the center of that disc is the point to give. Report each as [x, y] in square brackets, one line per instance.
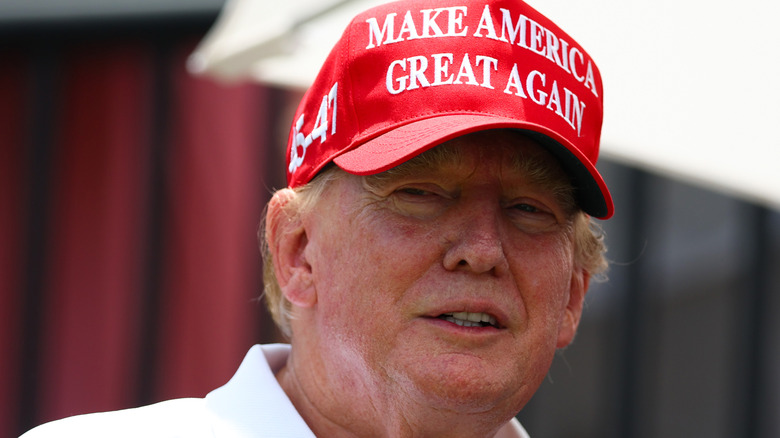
[131, 191]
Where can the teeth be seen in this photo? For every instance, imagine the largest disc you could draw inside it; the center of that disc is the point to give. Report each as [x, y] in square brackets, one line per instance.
[468, 319]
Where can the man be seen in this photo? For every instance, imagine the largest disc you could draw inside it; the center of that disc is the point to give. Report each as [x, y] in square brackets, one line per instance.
[433, 248]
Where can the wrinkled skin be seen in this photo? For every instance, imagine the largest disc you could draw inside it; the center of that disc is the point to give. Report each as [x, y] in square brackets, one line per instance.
[371, 268]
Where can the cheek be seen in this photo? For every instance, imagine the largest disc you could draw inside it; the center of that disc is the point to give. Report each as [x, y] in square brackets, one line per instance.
[381, 263]
[546, 266]
[397, 248]
[360, 271]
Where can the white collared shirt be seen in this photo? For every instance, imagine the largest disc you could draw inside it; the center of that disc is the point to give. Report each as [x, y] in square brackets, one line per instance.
[250, 405]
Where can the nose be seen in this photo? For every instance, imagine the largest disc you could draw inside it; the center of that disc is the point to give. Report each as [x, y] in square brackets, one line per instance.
[475, 243]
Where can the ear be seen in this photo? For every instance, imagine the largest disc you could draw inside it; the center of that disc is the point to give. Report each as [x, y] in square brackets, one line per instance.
[580, 281]
[287, 240]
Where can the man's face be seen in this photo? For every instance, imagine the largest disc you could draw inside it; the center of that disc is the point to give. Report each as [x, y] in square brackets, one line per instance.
[448, 283]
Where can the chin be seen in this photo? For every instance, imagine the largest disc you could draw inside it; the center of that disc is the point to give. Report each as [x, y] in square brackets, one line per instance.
[469, 385]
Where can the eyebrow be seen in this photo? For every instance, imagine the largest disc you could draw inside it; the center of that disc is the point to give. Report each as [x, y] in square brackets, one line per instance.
[540, 173]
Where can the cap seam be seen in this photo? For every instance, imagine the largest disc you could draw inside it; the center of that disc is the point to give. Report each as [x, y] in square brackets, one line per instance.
[349, 95]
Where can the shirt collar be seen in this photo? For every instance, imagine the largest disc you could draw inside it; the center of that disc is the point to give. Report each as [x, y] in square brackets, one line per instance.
[252, 403]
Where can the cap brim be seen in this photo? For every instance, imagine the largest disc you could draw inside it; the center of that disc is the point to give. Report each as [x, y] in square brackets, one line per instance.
[394, 147]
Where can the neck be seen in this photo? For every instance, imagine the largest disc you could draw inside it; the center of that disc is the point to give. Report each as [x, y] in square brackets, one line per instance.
[351, 407]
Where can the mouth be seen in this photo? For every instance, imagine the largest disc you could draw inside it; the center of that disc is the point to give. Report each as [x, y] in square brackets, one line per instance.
[469, 319]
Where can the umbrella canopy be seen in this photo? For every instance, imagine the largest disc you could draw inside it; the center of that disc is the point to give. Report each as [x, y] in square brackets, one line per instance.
[691, 87]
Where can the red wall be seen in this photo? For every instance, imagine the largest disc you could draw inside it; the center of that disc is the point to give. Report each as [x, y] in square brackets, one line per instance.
[130, 195]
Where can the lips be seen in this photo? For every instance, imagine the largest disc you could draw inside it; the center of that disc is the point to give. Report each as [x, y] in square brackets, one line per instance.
[470, 319]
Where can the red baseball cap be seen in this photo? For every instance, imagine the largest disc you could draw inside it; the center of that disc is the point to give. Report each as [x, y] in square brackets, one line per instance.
[409, 75]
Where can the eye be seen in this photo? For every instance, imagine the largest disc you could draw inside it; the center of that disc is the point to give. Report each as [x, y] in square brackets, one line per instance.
[414, 191]
[526, 208]
[421, 200]
[532, 215]
[422, 192]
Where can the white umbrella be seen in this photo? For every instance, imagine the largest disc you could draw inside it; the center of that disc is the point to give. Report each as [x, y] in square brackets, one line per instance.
[691, 87]
[278, 42]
